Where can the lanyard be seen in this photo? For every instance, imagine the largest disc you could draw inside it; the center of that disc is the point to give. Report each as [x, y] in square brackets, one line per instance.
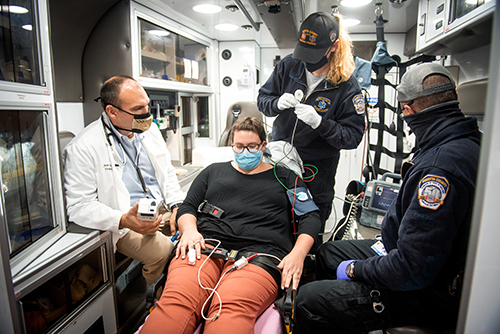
[136, 166]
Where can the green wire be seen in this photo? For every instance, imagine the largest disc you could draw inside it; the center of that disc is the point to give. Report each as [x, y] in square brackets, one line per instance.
[303, 178]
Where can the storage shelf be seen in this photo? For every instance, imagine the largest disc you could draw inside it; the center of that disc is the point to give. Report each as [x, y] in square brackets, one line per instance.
[156, 56]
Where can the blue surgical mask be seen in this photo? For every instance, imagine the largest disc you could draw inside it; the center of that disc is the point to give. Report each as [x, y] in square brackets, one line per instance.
[247, 160]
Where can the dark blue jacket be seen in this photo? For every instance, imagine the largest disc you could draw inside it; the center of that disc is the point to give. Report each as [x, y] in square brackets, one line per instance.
[341, 106]
[426, 229]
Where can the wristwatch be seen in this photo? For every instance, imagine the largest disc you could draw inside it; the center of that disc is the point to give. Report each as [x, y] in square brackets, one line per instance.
[349, 270]
[176, 205]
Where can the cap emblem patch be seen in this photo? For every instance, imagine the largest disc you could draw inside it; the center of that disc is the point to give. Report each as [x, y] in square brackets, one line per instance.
[308, 37]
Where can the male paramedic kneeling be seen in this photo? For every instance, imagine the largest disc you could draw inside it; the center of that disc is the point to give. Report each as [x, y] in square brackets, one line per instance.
[415, 280]
[115, 162]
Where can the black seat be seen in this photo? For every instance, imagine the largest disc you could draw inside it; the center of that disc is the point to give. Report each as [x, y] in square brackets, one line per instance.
[238, 110]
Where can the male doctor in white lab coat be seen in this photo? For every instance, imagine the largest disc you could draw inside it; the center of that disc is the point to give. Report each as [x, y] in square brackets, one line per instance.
[113, 163]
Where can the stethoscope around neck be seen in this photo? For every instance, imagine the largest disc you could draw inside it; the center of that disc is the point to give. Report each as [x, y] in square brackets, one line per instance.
[110, 132]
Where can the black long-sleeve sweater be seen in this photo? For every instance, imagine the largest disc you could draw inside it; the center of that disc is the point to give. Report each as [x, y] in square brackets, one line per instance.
[257, 209]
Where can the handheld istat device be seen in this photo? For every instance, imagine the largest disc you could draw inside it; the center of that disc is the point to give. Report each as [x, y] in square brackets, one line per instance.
[148, 209]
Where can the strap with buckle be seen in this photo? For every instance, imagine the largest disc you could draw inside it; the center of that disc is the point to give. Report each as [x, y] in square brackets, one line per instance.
[220, 253]
[285, 306]
[210, 209]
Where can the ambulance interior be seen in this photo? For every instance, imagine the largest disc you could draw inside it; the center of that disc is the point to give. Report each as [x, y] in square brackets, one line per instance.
[202, 71]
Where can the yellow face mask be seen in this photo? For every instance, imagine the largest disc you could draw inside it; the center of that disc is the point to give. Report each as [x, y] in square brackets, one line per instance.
[142, 122]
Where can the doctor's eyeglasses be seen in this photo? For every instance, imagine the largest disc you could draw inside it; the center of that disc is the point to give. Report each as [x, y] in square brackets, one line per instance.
[252, 148]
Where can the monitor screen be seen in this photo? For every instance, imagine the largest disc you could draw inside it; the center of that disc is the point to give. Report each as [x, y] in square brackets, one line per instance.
[383, 196]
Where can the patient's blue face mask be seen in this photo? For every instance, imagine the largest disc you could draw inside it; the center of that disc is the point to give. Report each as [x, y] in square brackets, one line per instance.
[247, 160]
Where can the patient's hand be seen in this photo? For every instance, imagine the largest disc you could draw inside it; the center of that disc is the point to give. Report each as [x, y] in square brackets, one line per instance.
[291, 267]
[293, 263]
[190, 239]
[131, 220]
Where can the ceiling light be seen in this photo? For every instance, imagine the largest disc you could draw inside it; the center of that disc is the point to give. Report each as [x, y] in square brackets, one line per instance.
[351, 22]
[158, 32]
[27, 27]
[207, 9]
[14, 9]
[355, 3]
[226, 27]
[232, 8]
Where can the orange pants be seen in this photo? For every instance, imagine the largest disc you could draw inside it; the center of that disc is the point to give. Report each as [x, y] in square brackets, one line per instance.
[245, 294]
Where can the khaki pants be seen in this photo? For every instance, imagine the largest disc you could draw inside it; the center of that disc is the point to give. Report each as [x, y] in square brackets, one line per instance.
[153, 251]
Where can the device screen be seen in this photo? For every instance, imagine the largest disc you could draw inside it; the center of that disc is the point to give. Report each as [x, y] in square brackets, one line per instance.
[383, 197]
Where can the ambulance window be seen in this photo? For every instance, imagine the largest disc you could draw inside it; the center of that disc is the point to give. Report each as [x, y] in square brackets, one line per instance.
[169, 56]
[19, 60]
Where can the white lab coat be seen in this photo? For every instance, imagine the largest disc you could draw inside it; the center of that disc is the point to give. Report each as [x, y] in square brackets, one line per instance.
[96, 196]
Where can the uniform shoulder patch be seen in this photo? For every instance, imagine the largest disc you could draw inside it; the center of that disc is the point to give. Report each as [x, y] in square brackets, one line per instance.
[432, 191]
[359, 103]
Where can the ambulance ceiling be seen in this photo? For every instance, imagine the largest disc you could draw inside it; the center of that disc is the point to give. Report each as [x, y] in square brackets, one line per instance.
[278, 21]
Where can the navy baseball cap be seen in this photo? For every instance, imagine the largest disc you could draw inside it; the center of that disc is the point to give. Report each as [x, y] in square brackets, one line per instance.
[317, 33]
[411, 87]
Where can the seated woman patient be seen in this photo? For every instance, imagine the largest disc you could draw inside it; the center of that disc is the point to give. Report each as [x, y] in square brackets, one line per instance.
[256, 201]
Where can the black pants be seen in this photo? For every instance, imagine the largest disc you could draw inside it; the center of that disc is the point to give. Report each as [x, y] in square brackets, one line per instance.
[340, 306]
[322, 186]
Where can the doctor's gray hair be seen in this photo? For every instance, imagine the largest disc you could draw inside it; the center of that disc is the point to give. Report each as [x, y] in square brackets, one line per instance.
[111, 88]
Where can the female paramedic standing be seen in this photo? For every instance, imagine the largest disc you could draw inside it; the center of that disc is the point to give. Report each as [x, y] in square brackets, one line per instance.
[245, 205]
[315, 85]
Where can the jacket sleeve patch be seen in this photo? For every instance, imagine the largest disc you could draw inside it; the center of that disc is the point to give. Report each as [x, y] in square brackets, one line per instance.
[432, 191]
[359, 103]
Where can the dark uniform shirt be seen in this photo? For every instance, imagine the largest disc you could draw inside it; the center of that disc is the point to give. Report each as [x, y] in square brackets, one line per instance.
[341, 107]
[425, 231]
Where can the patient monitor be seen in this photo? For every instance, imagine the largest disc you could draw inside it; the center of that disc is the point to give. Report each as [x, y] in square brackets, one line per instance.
[379, 195]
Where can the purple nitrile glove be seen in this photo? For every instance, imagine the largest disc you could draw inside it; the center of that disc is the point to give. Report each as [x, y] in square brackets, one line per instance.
[341, 274]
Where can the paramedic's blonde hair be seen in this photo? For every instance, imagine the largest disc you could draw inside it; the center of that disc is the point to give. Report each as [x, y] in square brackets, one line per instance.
[342, 61]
